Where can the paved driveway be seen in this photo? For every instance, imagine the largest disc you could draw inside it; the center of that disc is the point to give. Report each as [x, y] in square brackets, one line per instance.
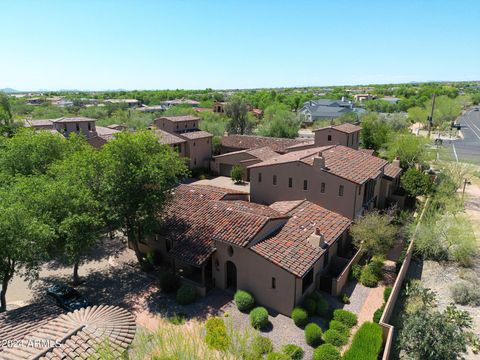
[468, 148]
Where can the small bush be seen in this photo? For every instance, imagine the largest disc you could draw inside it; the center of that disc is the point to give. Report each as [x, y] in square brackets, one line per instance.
[217, 336]
[376, 264]
[186, 295]
[277, 356]
[386, 293]
[294, 352]
[322, 308]
[261, 345]
[237, 174]
[355, 272]
[244, 300]
[315, 296]
[368, 277]
[300, 317]
[340, 327]
[345, 317]
[313, 335]
[378, 314]
[326, 352]
[167, 281]
[466, 293]
[259, 317]
[335, 337]
[366, 343]
[311, 306]
[344, 298]
[177, 319]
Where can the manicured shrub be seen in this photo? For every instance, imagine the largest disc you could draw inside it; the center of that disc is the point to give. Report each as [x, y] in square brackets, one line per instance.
[186, 295]
[236, 174]
[345, 317]
[366, 343]
[167, 281]
[386, 293]
[466, 293]
[217, 336]
[311, 306]
[376, 264]
[355, 272]
[295, 352]
[335, 337]
[326, 352]
[378, 314]
[277, 356]
[313, 335]
[244, 300]
[259, 317]
[261, 345]
[368, 277]
[322, 308]
[344, 298]
[340, 327]
[300, 317]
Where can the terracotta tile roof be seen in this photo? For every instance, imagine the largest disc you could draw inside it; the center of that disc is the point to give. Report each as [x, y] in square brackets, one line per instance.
[284, 207]
[198, 215]
[263, 153]
[39, 123]
[168, 138]
[105, 132]
[179, 118]
[242, 142]
[96, 141]
[306, 143]
[353, 165]
[192, 135]
[290, 249]
[73, 335]
[346, 128]
[367, 151]
[73, 119]
[392, 171]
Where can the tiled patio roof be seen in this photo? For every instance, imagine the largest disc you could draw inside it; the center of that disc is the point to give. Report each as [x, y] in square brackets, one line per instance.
[290, 249]
[74, 335]
[168, 138]
[192, 135]
[243, 142]
[392, 171]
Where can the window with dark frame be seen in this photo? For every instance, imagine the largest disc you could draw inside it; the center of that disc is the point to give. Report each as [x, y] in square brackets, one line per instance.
[340, 190]
[77, 126]
[259, 177]
[274, 179]
[290, 182]
[274, 283]
[322, 187]
[305, 184]
[307, 280]
[329, 138]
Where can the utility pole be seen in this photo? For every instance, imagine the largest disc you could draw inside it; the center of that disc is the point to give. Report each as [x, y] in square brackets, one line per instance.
[430, 118]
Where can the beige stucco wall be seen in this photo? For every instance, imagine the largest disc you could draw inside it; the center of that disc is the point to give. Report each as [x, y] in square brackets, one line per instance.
[175, 126]
[348, 205]
[71, 127]
[199, 151]
[338, 138]
[235, 158]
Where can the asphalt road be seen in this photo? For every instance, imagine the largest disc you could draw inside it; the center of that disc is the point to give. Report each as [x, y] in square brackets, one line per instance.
[468, 148]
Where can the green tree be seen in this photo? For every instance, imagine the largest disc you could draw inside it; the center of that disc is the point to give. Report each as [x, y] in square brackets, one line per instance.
[375, 132]
[279, 121]
[410, 149]
[6, 116]
[416, 183]
[434, 335]
[237, 110]
[373, 233]
[138, 174]
[236, 174]
[24, 240]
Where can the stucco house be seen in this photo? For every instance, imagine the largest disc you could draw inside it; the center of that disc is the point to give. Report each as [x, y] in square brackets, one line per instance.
[336, 177]
[324, 109]
[213, 237]
[344, 134]
[182, 132]
[230, 143]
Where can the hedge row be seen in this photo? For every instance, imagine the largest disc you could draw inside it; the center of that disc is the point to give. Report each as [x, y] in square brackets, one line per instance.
[366, 344]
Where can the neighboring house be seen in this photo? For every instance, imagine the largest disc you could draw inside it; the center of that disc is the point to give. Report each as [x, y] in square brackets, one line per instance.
[97, 136]
[325, 109]
[188, 102]
[212, 237]
[44, 331]
[390, 191]
[338, 178]
[363, 97]
[35, 101]
[222, 164]
[345, 134]
[152, 109]
[131, 103]
[219, 107]
[391, 99]
[231, 143]
[182, 132]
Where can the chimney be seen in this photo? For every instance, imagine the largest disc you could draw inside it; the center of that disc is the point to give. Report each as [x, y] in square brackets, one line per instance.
[319, 161]
[316, 239]
[343, 98]
[396, 162]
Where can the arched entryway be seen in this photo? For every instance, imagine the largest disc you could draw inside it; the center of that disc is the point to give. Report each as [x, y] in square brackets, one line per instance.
[231, 275]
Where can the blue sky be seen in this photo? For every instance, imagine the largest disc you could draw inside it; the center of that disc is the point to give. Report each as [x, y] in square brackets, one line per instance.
[192, 44]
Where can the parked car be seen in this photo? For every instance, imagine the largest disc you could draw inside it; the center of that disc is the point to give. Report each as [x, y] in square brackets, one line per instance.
[67, 297]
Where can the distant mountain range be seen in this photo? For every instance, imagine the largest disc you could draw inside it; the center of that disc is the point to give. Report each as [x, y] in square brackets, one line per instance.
[9, 90]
